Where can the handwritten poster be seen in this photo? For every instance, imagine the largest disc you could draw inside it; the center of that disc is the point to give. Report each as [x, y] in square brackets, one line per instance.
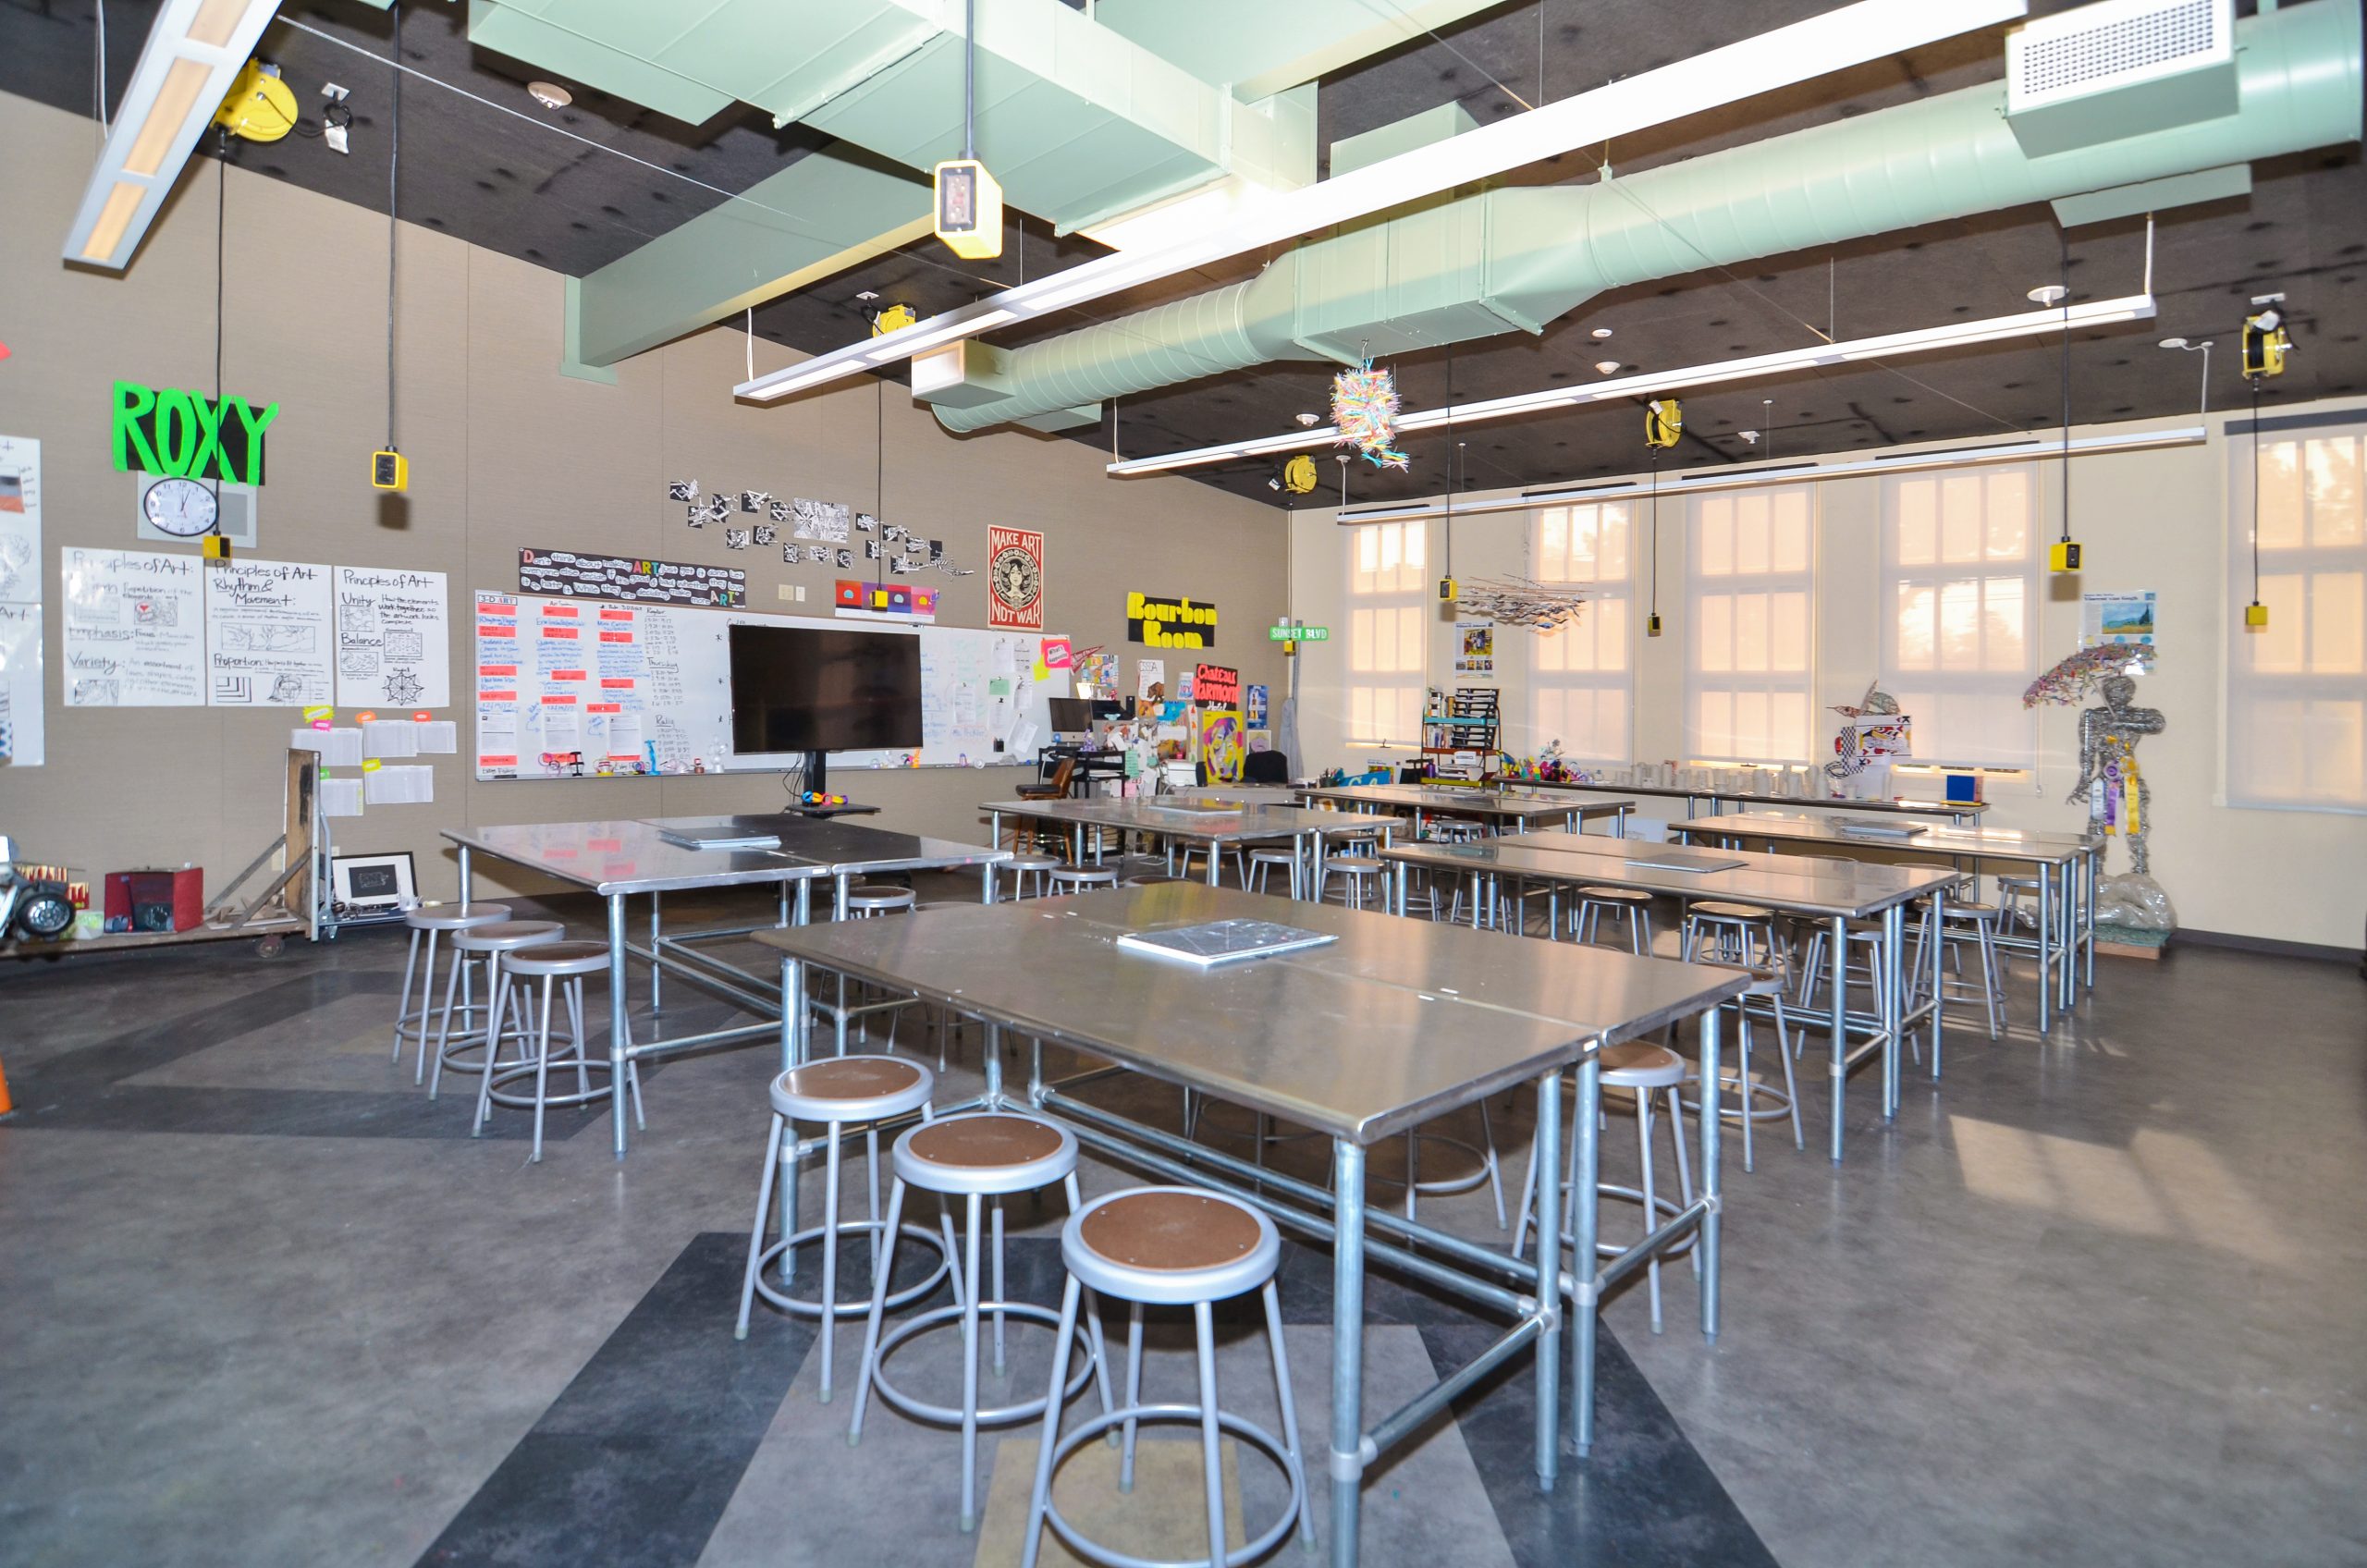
[22, 740]
[394, 645]
[135, 631]
[268, 635]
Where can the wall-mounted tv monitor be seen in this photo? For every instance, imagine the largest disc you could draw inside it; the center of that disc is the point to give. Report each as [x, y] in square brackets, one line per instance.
[820, 689]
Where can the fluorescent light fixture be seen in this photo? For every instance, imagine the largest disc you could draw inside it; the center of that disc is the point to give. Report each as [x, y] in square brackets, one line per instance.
[1956, 334]
[1848, 36]
[193, 52]
[2035, 447]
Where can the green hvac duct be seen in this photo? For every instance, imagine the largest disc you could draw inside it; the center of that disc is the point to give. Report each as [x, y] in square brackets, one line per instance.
[1513, 259]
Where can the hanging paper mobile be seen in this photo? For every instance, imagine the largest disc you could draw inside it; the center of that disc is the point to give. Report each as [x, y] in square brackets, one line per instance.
[2071, 680]
[1364, 409]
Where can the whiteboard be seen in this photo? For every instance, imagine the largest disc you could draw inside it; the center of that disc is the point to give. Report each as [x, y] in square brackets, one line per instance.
[640, 688]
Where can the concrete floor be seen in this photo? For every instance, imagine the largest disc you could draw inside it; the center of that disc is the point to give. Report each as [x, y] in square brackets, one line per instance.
[2095, 1301]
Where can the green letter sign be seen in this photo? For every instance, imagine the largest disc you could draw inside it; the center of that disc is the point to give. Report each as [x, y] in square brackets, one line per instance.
[188, 435]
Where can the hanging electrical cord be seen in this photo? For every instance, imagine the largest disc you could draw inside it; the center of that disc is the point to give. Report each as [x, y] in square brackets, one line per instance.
[99, 92]
[969, 81]
[2255, 604]
[2063, 242]
[1653, 625]
[749, 332]
[394, 169]
[221, 228]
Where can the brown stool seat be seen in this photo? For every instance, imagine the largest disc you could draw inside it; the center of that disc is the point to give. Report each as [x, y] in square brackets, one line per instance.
[1170, 1230]
[850, 1078]
[984, 1142]
[503, 935]
[561, 957]
[1732, 912]
[1634, 1064]
[1616, 895]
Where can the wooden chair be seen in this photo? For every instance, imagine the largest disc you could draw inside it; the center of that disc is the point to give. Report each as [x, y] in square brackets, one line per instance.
[1054, 788]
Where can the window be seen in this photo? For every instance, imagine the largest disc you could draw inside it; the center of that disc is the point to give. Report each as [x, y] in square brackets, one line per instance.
[1959, 599]
[1750, 584]
[1389, 618]
[1581, 681]
[2296, 689]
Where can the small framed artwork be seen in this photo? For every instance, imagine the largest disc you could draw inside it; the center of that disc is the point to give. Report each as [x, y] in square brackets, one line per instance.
[372, 882]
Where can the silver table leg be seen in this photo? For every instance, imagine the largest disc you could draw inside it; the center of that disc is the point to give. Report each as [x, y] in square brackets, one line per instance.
[1709, 1116]
[655, 966]
[465, 878]
[1893, 981]
[1347, 1351]
[2045, 948]
[1586, 1148]
[1837, 961]
[1546, 1159]
[618, 1076]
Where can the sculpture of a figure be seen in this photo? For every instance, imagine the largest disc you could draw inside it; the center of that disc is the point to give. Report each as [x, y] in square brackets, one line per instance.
[2108, 736]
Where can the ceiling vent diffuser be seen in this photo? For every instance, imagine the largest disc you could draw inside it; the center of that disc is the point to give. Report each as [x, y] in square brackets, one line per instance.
[2117, 70]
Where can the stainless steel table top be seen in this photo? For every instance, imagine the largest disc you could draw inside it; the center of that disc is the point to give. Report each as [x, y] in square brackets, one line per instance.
[1792, 884]
[1995, 843]
[1466, 803]
[1748, 797]
[1396, 1022]
[1180, 817]
[845, 846]
[629, 857]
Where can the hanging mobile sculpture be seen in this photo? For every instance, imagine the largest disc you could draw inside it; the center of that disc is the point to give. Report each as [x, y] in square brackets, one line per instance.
[1364, 409]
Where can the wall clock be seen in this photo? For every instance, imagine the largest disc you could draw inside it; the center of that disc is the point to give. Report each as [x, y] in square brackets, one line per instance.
[181, 508]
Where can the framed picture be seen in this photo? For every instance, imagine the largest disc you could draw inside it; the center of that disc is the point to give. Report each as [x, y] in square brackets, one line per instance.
[372, 882]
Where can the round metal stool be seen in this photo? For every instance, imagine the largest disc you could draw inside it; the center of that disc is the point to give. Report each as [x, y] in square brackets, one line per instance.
[2017, 902]
[980, 1158]
[1726, 930]
[485, 944]
[1632, 909]
[1755, 1102]
[1022, 867]
[1976, 924]
[1360, 870]
[563, 964]
[431, 919]
[865, 900]
[1169, 1246]
[1261, 867]
[1866, 935]
[1648, 1070]
[1077, 879]
[839, 1092]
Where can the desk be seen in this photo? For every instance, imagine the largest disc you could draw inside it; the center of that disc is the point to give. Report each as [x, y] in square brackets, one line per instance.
[1508, 1012]
[1955, 811]
[2065, 864]
[1786, 884]
[618, 859]
[1197, 818]
[1496, 807]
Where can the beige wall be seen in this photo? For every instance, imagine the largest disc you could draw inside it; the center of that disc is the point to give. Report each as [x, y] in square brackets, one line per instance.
[504, 452]
[2148, 519]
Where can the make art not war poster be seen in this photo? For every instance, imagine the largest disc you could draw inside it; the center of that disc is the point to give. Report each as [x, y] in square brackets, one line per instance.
[268, 635]
[135, 630]
[394, 640]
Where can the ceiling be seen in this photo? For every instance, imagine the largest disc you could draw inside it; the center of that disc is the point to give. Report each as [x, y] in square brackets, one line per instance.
[622, 175]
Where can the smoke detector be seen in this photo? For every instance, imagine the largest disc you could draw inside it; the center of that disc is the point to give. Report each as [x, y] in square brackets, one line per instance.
[549, 95]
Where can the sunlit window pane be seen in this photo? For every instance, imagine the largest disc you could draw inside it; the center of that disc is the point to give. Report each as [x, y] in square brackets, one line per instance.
[1960, 576]
[1751, 648]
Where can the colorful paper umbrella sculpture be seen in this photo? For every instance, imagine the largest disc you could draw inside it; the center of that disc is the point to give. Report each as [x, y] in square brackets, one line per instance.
[2074, 678]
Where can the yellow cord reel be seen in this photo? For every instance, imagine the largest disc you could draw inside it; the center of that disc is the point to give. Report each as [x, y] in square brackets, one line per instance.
[259, 106]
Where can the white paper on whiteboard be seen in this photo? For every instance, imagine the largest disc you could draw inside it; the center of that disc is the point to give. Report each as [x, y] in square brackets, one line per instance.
[624, 735]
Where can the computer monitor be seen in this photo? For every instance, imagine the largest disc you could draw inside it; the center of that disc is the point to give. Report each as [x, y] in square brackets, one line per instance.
[1071, 715]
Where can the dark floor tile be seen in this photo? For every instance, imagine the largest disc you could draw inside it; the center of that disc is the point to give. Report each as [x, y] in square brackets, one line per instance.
[649, 1500]
[1644, 1496]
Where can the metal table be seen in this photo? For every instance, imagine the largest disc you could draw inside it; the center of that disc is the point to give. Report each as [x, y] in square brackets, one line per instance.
[2065, 865]
[1497, 807]
[1440, 1018]
[1832, 893]
[618, 859]
[1210, 819]
[1955, 811]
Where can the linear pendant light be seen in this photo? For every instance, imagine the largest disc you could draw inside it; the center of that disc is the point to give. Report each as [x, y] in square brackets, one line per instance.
[2023, 450]
[2029, 323]
[1851, 35]
[194, 50]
